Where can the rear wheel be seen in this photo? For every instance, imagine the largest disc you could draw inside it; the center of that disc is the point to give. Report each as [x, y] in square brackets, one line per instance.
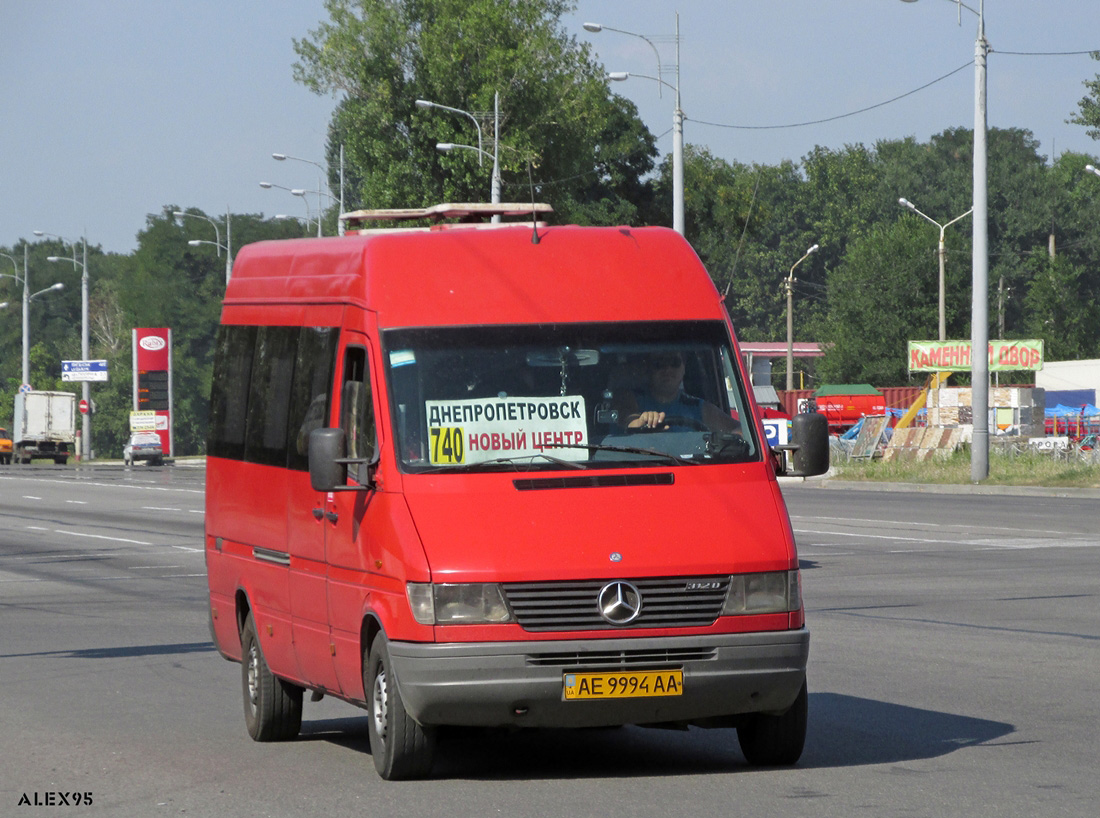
[272, 707]
[402, 749]
[769, 741]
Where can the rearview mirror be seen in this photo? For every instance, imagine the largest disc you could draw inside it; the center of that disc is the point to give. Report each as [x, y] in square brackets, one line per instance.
[327, 448]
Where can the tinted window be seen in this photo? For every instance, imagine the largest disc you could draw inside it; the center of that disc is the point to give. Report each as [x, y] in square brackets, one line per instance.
[233, 353]
[309, 400]
[269, 395]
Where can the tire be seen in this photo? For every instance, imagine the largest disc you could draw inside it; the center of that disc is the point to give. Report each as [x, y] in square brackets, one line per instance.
[272, 707]
[402, 749]
[772, 741]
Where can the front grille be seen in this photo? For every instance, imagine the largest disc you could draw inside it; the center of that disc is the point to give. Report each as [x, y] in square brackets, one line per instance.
[615, 659]
[667, 602]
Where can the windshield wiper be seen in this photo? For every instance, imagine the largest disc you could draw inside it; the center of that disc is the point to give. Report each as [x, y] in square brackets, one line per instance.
[600, 447]
[513, 461]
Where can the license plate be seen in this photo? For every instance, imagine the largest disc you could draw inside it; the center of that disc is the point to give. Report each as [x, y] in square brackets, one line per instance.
[623, 685]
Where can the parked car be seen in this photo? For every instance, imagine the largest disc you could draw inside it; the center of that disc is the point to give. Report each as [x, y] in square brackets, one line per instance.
[143, 446]
[5, 447]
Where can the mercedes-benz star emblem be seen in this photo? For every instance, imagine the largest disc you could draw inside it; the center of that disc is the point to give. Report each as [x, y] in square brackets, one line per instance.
[619, 602]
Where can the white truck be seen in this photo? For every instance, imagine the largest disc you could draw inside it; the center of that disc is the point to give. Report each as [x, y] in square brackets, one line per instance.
[44, 426]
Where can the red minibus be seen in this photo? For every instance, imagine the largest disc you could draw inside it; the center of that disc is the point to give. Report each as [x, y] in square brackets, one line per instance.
[499, 475]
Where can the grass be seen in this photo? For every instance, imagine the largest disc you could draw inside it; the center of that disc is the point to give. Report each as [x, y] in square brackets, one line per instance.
[1005, 469]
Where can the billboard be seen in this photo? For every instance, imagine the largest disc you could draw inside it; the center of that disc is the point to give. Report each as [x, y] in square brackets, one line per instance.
[954, 356]
[152, 359]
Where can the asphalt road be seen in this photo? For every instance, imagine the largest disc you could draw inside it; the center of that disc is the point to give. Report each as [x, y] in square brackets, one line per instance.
[953, 672]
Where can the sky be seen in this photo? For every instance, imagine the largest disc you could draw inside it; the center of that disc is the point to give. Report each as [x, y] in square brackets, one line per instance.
[112, 110]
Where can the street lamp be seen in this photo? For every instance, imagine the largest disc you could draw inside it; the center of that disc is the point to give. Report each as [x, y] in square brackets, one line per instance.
[979, 307]
[942, 254]
[282, 157]
[301, 193]
[677, 118]
[26, 303]
[5, 304]
[85, 391]
[495, 184]
[790, 319]
[179, 214]
[1092, 169]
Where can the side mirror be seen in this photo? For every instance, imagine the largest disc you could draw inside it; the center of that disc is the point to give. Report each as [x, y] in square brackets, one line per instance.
[327, 448]
[810, 432]
[809, 445]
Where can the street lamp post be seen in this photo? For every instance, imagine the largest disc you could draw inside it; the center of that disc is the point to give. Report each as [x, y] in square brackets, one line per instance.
[301, 193]
[495, 184]
[979, 307]
[790, 318]
[26, 327]
[85, 390]
[179, 214]
[27, 298]
[942, 254]
[282, 157]
[677, 119]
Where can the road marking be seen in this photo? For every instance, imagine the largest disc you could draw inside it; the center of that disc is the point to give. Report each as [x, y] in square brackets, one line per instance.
[77, 502]
[1009, 543]
[100, 537]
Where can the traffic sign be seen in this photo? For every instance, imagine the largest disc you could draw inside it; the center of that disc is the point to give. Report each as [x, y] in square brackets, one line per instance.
[83, 370]
[83, 406]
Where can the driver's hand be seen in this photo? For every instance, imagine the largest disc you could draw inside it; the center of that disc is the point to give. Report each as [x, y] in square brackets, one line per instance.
[647, 420]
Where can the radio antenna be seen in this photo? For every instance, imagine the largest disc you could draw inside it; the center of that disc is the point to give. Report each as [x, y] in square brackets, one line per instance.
[534, 217]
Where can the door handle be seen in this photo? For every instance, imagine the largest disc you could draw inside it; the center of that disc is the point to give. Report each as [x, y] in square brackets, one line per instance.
[332, 516]
[318, 514]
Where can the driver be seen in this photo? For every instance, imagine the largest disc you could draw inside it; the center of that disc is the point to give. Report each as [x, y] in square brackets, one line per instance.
[664, 397]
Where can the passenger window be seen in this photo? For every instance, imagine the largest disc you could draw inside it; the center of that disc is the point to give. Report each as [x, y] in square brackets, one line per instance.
[233, 354]
[357, 409]
[269, 396]
[309, 401]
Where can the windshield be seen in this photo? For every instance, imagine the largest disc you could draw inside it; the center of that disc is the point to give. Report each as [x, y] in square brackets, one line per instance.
[567, 396]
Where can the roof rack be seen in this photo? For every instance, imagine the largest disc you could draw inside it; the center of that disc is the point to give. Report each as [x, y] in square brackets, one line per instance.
[467, 212]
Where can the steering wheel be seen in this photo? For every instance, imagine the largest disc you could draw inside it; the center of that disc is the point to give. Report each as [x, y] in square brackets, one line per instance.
[672, 420]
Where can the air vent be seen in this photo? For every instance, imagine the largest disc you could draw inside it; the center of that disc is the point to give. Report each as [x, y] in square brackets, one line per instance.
[594, 481]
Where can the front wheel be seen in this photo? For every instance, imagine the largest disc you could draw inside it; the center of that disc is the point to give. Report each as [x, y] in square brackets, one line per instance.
[401, 747]
[272, 707]
[771, 741]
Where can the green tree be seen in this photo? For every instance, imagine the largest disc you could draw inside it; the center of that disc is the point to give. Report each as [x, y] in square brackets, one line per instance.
[880, 298]
[1088, 109]
[564, 137]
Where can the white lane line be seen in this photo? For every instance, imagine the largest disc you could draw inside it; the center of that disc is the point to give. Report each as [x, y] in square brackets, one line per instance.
[30, 497]
[77, 502]
[100, 537]
[1009, 543]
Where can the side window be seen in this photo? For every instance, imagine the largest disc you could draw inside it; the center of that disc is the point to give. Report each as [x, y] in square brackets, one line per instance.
[356, 406]
[233, 353]
[269, 395]
[310, 398]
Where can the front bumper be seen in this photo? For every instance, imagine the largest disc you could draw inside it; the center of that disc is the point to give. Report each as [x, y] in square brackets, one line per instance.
[520, 683]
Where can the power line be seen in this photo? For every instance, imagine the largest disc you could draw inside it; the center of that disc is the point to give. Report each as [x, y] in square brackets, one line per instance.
[839, 116]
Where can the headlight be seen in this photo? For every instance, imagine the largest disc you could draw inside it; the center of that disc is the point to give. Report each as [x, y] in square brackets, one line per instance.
[771, 592]
[458, 604]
